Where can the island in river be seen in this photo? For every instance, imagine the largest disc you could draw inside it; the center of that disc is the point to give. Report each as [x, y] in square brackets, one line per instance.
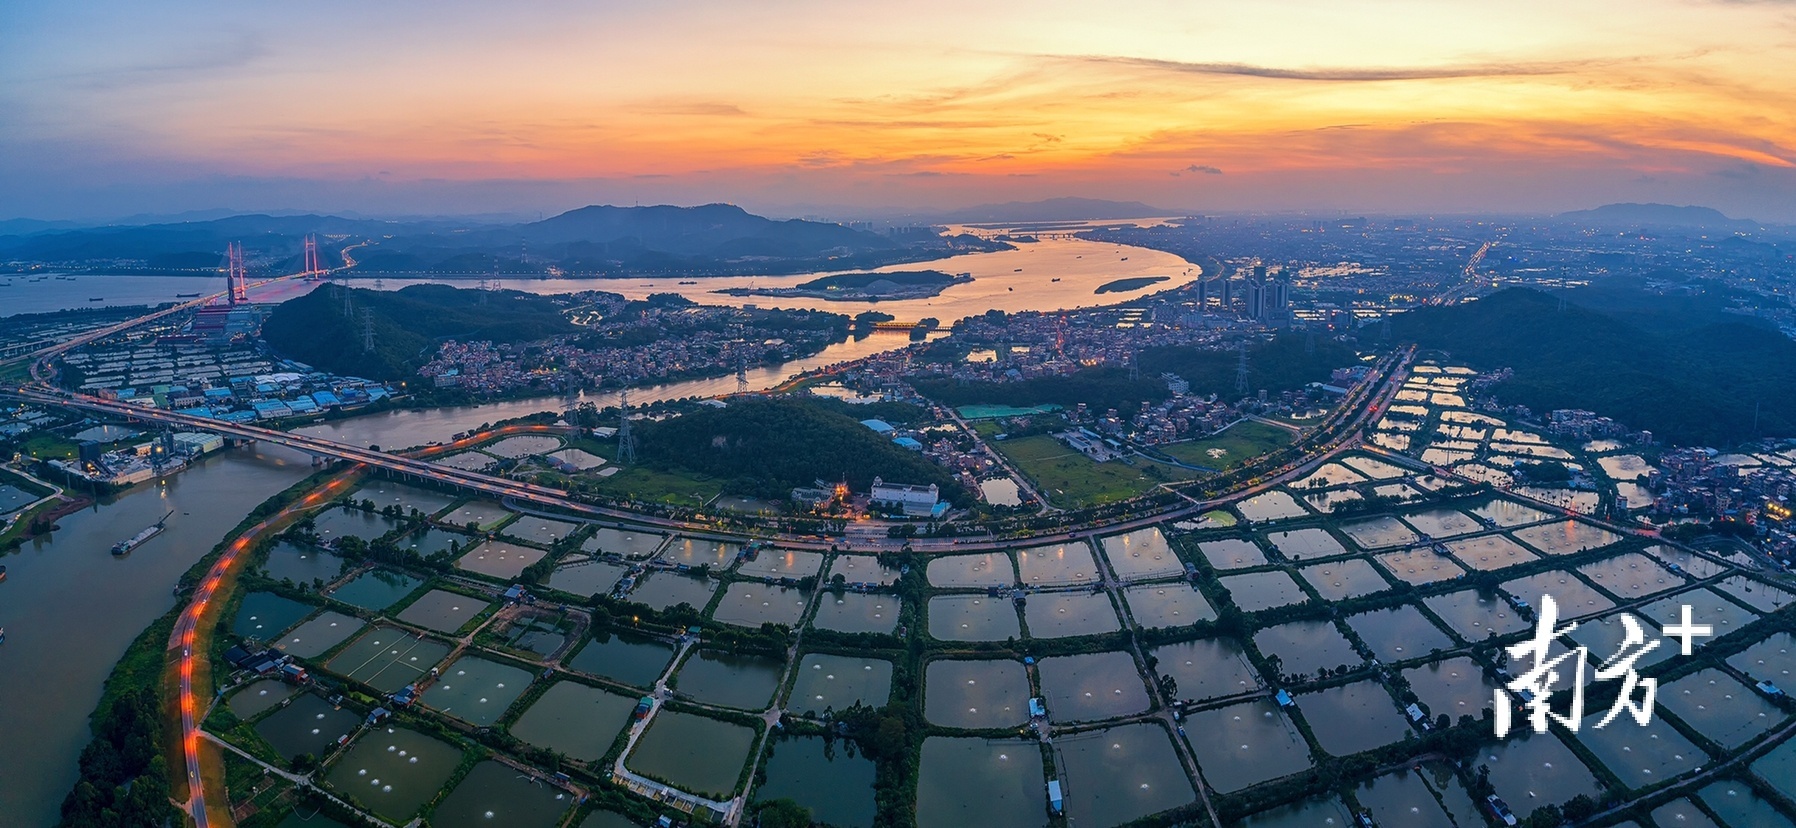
[1131, 283]
[863, 287]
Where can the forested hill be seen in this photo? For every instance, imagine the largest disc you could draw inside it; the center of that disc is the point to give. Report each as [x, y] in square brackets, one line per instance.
[1687, 384]
[1284, 363]
[408, 324]
[768, 446]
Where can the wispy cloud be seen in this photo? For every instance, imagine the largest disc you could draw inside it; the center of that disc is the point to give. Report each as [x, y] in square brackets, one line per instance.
[1341, 74]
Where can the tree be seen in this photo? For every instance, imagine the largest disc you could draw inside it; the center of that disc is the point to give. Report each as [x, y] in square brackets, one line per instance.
[783, 813]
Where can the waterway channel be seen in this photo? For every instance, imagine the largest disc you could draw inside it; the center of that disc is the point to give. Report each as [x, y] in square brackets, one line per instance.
[70, 609]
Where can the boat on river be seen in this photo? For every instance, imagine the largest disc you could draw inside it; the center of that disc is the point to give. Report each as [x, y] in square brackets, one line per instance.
[124, 547]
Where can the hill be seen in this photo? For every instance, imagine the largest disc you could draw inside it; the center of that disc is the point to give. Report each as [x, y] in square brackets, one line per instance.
[408, 324]
[1663, 215]
[1701, 384]
[711, 239]
[1099, 388]
[768, 446]
[715, 230]
[1284, 363]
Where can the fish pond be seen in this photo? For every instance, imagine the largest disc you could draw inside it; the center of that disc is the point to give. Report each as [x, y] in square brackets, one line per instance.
[973, 618]
[975, 693]
[830, 778]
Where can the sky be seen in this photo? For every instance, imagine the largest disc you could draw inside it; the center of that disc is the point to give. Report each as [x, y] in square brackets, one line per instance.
[857, 109]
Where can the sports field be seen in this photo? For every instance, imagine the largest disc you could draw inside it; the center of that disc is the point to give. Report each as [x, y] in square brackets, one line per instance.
[1238, 443]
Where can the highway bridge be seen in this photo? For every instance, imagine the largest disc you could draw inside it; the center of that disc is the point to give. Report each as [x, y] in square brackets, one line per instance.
[39, 355]
[490, 485]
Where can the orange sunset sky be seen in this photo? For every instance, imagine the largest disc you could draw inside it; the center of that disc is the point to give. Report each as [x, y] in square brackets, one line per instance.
[864, 109]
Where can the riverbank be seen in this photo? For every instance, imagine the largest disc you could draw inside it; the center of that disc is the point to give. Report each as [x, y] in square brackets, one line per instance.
[71, 609]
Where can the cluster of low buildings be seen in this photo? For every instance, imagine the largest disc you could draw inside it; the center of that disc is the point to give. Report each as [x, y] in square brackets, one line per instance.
[21, 421]
[247, 399]
[660, 345]
[238, 384]
[1588, 425]
[1032, 344]
[1754, 488]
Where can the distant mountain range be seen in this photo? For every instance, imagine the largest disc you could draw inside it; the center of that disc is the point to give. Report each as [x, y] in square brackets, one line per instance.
[712, 239]
[1661, 215]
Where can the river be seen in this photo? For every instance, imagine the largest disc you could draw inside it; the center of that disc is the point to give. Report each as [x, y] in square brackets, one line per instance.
[415, 427]
[1054, 274]
[70, 609]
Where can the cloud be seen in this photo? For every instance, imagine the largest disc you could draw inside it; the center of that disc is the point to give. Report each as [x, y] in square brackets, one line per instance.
[1206, 169]
[1339, 75]
[224, 56]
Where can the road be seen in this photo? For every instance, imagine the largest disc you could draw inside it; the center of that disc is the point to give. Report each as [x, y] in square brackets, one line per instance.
[185, 638]
[544, 496]
[1022, 482]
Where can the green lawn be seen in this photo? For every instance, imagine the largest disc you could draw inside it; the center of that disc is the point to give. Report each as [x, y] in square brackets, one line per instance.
[1236, 444]
[48, 447]
[1071, 480]
[643, 484]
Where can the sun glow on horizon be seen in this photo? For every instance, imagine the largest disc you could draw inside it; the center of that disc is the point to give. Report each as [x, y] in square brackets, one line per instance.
[1397, 104]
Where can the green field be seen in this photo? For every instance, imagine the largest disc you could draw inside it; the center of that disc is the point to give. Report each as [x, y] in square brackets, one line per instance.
[1070, 480]
[48, 447]
[1236, 444]
[992, 412]
[637, 482]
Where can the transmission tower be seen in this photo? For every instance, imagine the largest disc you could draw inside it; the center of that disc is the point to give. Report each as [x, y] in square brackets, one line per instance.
[368, 329]
[742, 375]
[626, 441]
[1134, 369]
[348, 303]
[379, 283]
[1241, 370]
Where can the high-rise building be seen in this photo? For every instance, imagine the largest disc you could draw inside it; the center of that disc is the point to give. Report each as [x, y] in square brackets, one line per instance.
[1256, 298]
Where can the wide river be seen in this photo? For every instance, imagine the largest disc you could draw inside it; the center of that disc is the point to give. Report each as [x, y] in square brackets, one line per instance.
[70, 609]
[1055, 274]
